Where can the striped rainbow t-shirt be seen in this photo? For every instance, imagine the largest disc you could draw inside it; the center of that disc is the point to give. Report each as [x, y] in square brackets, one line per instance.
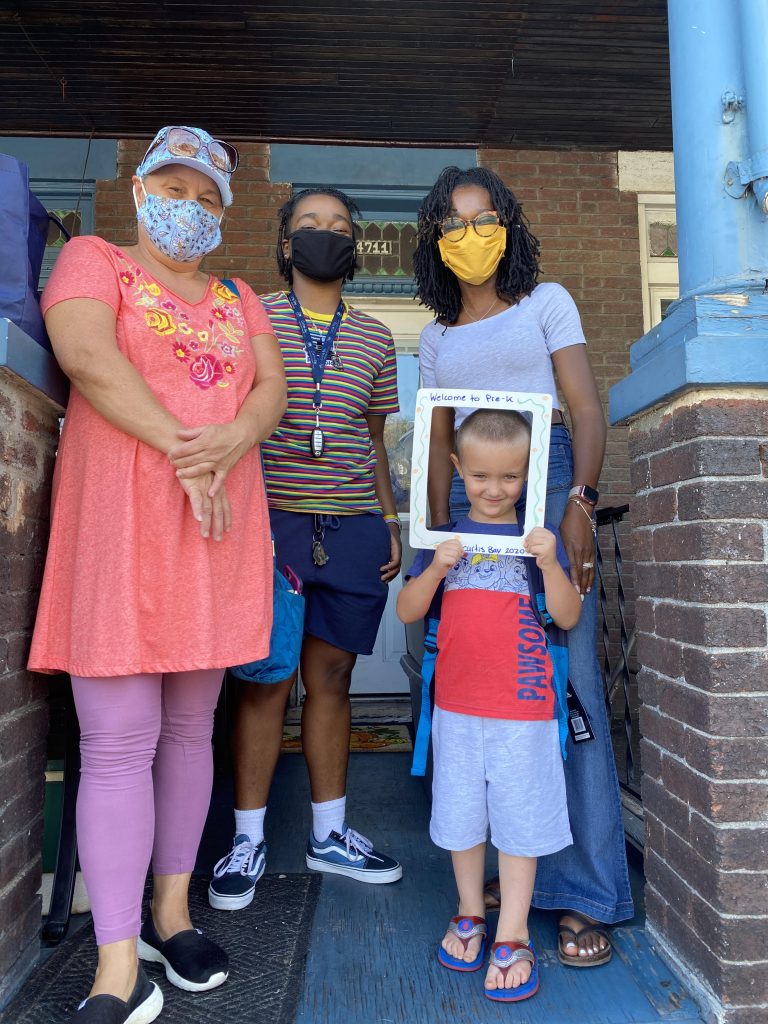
[342, 479]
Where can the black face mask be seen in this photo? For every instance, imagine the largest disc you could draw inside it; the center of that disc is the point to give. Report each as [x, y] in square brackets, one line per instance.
[322, 255]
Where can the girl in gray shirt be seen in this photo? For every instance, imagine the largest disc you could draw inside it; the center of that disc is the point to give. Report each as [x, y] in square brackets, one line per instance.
[476, 266]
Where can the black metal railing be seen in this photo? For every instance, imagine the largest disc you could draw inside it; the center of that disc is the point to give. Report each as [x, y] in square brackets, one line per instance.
[617, 642]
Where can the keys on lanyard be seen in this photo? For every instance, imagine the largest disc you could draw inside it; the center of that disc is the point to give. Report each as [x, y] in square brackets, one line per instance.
[319, 554]
[316, 437]
[316, 441]
[318, 354]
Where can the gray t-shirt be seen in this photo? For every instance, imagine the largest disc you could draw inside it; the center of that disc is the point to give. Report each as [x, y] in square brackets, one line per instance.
[511, 351]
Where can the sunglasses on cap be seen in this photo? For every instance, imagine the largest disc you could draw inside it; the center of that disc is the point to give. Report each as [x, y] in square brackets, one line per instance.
[186, 142]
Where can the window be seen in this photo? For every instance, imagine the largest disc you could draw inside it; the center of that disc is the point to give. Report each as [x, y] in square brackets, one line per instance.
[73, 206]
[405, 319]
[386, 239]
[658, 255]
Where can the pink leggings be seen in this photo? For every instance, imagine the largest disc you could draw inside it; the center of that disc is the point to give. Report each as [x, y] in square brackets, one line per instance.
[145, 785]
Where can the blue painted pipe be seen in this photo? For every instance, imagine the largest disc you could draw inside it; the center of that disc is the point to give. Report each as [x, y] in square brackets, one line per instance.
[722, 241]
[753, 19]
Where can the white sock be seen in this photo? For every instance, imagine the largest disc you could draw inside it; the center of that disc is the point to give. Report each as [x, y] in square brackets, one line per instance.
[251, 824]
[328, 817]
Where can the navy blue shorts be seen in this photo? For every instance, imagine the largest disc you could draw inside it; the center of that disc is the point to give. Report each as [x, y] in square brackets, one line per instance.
[345, 598]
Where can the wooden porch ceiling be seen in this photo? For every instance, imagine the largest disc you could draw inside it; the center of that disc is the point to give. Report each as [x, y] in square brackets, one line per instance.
[525, 73]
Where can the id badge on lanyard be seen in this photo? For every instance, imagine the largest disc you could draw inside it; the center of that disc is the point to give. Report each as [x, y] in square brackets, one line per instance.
[318, 357]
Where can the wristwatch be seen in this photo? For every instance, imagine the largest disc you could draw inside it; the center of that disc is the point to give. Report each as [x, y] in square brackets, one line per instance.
[585, 493]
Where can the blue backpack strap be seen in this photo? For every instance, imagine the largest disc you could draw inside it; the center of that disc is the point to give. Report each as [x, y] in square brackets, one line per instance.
[229, 283]
[424, 729]
[557, 641]
[557, 647]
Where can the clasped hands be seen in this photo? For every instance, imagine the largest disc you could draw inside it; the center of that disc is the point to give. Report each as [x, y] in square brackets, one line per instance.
[202, 459]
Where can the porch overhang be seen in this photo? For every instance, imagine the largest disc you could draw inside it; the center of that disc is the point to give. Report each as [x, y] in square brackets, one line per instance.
[527, 73]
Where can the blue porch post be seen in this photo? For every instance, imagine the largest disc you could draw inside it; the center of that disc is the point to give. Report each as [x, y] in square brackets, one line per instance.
[717, 47]
[696, 401]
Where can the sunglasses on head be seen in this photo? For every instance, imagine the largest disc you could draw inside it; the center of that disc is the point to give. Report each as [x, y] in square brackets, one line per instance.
[187, 142]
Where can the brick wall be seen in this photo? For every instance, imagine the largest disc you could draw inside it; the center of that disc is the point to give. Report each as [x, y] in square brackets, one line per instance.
[700, 467]
[28, 435]
[249, 228]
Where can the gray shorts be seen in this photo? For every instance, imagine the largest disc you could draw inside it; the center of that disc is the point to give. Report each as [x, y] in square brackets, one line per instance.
[509, 775]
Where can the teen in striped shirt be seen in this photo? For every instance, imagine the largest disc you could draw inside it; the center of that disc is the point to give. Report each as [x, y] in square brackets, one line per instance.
[333, 516]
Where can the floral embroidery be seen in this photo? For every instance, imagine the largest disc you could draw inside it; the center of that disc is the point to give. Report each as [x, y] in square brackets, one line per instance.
[205, 370]
[222, 292]
[232, 334]
[153, 289]
[160, 322]
[203, 351]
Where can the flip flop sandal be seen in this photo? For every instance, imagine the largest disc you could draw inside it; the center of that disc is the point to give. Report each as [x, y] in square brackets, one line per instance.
[492, 893]
[503, 956]
[564, 932]
[465, 929]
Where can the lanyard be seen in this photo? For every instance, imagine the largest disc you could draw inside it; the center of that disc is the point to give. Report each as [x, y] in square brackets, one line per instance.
[317, 354]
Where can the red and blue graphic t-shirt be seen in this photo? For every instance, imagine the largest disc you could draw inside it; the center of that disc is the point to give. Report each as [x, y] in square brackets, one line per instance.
[492, 658]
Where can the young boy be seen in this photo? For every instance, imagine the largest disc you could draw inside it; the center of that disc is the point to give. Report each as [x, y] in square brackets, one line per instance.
[495, 734]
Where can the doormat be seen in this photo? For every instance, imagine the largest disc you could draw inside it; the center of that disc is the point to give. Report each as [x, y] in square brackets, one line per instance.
[364, 738]
[267, 945]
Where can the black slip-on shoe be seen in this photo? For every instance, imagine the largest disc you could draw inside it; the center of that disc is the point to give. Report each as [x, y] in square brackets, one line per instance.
[144, 1005]
[191, 961]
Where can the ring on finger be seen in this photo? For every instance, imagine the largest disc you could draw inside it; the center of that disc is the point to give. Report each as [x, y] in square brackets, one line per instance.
[587, 565]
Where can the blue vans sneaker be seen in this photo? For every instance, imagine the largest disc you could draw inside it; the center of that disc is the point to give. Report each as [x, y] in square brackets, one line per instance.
[235, 876]
[353, 855]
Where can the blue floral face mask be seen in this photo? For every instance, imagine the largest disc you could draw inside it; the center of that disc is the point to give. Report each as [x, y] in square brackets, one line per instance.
[180, 228]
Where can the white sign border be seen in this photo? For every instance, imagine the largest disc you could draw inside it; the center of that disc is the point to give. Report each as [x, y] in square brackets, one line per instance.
[540, 408]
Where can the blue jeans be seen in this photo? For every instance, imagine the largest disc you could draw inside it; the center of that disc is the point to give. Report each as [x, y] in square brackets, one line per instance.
[590, 876]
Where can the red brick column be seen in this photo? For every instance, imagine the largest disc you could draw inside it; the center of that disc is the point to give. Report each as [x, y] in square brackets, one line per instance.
[28, 437]
[700, 469]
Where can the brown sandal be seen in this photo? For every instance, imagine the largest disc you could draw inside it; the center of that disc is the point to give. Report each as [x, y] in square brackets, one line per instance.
[565, 932]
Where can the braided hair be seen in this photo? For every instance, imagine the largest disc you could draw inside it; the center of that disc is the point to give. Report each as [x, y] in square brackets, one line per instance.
[437, 287]
[286, 213]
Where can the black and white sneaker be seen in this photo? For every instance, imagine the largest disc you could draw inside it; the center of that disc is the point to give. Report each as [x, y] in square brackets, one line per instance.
[191, 961]
[349, 853]
[235, 876]
[144, 1006]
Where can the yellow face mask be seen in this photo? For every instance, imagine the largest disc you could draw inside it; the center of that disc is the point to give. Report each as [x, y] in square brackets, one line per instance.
[474, 259]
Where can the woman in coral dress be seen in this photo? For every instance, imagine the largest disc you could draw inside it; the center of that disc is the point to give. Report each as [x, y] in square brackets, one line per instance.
[158, 575]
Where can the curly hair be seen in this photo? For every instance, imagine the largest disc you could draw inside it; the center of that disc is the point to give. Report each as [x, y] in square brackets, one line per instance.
[286, 213]
[437, 287]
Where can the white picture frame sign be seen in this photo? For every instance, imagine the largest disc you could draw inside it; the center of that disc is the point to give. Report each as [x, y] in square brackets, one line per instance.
[539, 407]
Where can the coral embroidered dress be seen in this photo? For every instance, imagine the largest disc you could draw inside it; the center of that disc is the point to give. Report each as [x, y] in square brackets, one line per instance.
[130, 586]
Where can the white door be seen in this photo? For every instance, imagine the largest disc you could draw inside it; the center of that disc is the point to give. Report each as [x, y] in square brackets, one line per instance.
[380, 672]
